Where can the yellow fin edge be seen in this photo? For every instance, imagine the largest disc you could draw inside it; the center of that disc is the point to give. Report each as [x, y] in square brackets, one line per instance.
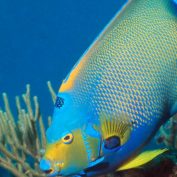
[142, 159]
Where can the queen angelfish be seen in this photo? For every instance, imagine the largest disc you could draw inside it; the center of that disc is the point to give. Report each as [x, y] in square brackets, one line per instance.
[117, 95]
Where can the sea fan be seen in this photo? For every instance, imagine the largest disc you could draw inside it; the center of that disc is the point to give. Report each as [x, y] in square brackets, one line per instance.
[22, 139]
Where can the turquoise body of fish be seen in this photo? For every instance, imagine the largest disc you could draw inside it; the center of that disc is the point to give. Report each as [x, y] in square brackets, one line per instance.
[117, 95]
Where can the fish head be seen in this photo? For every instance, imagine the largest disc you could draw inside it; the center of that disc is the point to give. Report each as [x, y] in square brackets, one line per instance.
[66, 156]
[71, 142]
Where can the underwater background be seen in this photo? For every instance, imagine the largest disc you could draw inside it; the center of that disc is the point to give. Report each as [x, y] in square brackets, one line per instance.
[41, 40]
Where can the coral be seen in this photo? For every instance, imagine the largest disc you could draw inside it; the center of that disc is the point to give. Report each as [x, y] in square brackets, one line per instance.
[168, 133]
[22, 139]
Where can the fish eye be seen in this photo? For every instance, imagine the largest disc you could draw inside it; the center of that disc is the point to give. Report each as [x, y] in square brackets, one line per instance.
[67, 139]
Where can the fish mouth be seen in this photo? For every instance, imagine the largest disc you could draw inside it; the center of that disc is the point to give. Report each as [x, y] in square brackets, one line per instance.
[51, 173]
[56, 171]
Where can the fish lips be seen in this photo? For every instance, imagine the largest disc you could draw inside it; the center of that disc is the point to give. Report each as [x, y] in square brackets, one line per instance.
[54, 173]
[46, 167]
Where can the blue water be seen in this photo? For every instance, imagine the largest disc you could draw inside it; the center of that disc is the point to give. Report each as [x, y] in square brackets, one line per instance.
[41, 40]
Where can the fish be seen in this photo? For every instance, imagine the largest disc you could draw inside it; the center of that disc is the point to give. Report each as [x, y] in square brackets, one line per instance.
[118, 94]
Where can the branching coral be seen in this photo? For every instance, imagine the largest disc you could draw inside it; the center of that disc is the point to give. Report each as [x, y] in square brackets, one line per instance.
[22, 139]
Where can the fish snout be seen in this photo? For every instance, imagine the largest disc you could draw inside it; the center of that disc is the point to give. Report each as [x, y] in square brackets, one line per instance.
[48, 168]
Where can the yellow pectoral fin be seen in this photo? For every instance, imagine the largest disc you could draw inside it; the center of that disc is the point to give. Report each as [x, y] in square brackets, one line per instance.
[115, 126]
[141, 159]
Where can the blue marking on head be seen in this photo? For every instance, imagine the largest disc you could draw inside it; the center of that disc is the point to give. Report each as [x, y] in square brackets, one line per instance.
[67, 117]
[59, 102]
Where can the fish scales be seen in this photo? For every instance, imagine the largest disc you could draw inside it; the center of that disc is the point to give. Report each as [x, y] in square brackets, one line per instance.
[131, 68]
